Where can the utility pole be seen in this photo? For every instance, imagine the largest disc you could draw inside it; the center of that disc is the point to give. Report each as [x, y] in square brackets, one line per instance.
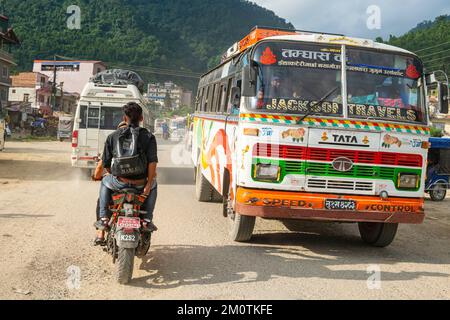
[54, 84]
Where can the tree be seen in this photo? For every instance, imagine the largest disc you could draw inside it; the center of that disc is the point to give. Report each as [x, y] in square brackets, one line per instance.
[168, 102]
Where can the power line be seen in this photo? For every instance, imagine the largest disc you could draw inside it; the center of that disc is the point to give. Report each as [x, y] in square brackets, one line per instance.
[437, 59]
[432, 47]
[432, 54]
[167, 73]
[152, 70]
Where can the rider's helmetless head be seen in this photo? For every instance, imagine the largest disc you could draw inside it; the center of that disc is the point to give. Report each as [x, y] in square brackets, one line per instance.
[133, 114]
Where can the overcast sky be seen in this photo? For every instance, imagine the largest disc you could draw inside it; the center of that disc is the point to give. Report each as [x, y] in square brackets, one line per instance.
[350, 16]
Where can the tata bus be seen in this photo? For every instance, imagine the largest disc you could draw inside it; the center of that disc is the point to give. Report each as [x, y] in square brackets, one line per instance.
[299, 125]
[98, 114]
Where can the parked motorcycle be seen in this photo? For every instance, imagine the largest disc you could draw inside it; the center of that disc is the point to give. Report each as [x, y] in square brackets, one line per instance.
[126, 237]
[39, 128]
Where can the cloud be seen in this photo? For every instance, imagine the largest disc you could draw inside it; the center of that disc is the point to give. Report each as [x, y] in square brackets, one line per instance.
[350, 16]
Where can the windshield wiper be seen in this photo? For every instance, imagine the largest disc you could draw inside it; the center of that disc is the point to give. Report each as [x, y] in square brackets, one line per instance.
[311, 106]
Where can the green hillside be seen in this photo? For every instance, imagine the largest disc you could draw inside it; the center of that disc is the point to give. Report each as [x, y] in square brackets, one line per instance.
[431, 41]
[187, 35]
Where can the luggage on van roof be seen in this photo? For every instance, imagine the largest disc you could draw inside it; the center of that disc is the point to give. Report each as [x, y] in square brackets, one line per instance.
[119, 77]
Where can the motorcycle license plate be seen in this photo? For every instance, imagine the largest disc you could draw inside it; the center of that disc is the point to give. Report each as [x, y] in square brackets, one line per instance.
[347, 205]
[129, 223]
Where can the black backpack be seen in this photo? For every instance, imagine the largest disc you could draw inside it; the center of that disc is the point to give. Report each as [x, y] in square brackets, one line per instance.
[129, 159]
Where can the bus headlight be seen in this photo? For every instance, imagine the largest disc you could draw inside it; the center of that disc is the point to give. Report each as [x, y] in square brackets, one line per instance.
[408, 181]
[267, 172]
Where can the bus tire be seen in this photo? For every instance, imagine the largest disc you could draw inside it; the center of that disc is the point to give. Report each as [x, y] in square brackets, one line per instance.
[203, 189]
[378, 234]
[438, 192]
[216, 196]
[242, 228]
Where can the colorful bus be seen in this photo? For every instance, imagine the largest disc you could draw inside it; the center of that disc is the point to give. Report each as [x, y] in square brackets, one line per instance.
[274, 138]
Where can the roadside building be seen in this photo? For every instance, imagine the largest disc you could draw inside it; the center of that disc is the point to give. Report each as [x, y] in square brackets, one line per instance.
[162, 93]
[34, 88]
[71, 75]
[69, 102]
[186, 98]
[7, 39]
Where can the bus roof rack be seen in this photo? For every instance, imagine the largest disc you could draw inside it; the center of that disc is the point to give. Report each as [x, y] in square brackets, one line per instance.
[259, 33]
[118, 77]
[297, 30]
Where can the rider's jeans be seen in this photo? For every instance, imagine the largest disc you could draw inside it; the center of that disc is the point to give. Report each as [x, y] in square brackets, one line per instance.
[111, 184]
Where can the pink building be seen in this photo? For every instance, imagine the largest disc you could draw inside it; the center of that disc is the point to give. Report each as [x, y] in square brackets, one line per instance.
[72, 74]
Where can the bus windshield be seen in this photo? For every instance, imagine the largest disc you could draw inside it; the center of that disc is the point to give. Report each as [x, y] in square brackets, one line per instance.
[384, 86]
[292, 77]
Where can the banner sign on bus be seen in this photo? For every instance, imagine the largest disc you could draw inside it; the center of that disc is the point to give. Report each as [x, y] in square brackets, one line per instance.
[309, 56]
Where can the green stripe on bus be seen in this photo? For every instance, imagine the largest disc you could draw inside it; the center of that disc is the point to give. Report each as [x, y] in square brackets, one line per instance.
[318, 169]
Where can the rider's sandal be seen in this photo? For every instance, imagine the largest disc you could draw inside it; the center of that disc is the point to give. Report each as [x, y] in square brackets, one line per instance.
[102, 224]
[148, 226]
[99, 242]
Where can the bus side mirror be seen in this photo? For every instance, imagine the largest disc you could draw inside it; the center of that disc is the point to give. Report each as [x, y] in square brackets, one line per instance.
[248, 81]
[430, 79]
[443, 98]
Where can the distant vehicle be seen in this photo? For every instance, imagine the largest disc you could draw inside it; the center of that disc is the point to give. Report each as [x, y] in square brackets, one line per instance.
[65, 127]
[177, 129]
[98, 114]
[39, 127]
[438, 171]
[159, 126]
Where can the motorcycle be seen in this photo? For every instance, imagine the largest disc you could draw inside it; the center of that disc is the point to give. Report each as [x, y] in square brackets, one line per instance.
[125, 236]
[39, 128]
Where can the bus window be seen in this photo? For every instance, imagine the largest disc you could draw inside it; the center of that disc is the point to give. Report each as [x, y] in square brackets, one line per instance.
[213, 99]
[198, 99]
[221, 96]
[209, 99]
[111, 117]
[227, 94]
[205, 100]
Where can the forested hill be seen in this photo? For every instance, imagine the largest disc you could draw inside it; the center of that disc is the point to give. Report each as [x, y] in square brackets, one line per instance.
[431, 41]
[172, 34]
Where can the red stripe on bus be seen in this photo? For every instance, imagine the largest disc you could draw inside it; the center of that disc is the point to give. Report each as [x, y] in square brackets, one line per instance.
[323, 154]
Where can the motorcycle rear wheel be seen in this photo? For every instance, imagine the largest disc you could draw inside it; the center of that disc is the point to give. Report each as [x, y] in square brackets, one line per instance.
[125, 264]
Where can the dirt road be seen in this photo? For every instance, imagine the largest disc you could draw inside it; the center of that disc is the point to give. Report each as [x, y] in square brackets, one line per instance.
[46, 216]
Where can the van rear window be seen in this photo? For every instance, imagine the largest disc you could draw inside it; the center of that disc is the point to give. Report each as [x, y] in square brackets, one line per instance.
[103, 118]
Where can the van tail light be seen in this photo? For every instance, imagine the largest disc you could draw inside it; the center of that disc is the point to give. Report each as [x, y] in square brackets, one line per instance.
[75, 139]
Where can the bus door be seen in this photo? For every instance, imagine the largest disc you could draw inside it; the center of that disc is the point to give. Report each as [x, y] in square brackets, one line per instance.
[93, 120]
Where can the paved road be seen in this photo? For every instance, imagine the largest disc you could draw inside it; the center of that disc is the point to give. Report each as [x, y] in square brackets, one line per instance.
[46, 216]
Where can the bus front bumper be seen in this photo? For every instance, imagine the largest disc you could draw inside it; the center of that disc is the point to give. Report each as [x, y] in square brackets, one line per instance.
[271, 204]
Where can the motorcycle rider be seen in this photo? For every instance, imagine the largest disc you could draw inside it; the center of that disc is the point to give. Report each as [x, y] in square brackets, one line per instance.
[145, 183]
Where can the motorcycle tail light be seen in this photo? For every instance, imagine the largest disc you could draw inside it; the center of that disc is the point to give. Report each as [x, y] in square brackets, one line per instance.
[129, 209]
